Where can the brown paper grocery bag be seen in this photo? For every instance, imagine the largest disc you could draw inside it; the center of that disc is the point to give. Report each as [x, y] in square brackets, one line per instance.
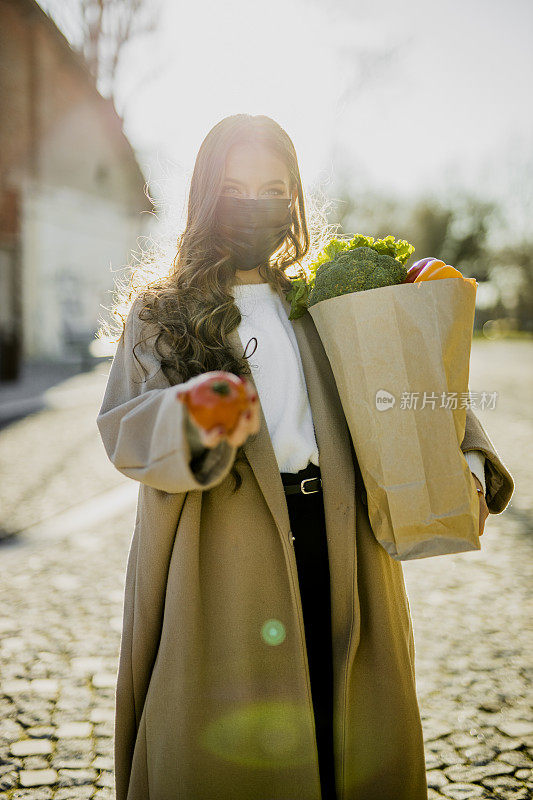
[382, 343]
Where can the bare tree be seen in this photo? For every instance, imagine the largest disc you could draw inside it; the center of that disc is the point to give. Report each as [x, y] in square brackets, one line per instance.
[101, 29]
[366, 67]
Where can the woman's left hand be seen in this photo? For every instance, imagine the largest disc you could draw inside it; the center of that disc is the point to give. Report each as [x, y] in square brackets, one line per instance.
[483, 508]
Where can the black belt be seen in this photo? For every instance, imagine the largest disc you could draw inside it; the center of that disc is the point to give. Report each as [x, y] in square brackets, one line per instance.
[306, 481]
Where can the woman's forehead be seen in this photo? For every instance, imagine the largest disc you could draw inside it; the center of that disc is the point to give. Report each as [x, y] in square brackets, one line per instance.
[254, 164]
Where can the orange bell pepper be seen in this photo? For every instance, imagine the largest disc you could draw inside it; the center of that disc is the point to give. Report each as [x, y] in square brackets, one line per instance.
[435, 270]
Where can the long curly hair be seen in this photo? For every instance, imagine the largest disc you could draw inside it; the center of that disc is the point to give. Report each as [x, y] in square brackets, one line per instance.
[191, 305]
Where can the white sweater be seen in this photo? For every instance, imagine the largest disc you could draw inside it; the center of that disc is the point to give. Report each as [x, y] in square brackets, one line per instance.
[278, 374]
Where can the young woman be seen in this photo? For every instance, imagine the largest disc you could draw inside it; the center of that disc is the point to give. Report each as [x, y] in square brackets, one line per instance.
[267, 647]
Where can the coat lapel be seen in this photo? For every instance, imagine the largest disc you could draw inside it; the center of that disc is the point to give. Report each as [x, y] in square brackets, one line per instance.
[259, 451]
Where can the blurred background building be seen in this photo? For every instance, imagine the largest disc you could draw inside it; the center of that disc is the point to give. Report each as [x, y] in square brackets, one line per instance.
[71, 193]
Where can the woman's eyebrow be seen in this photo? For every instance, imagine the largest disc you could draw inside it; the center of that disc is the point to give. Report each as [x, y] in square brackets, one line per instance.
[277, 180]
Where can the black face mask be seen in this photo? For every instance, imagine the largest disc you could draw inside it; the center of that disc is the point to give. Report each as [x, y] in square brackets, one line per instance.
[252, 229]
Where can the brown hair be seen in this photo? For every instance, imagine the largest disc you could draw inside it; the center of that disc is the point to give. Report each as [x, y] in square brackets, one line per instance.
[191, 305]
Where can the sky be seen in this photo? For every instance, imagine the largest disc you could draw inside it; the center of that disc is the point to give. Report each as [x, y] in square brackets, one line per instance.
[405, 97]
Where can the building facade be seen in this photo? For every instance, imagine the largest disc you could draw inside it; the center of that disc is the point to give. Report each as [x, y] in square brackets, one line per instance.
[72, 194]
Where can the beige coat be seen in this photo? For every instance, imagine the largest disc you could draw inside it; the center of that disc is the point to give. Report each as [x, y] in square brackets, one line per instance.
[206, 707]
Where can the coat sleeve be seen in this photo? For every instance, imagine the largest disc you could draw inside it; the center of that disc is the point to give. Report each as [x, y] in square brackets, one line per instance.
[145, 428]
[499, 481]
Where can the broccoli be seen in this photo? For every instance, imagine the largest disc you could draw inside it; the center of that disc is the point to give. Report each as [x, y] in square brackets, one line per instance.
[346, 266]
[355, 271]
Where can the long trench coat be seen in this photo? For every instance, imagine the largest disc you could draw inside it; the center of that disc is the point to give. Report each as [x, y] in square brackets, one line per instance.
[213, 698]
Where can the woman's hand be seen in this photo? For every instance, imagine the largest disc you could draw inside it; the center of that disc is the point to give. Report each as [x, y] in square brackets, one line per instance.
[483, 508]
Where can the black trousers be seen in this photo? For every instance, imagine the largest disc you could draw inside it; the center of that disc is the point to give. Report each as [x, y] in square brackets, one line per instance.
[308, 526]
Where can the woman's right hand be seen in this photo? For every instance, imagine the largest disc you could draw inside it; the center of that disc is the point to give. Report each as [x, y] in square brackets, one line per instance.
[248, 423]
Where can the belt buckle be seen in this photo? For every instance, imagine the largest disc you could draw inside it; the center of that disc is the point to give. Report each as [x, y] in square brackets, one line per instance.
[312, 491]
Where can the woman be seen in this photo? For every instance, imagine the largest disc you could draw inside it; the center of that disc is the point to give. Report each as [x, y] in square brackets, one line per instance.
[267, 647]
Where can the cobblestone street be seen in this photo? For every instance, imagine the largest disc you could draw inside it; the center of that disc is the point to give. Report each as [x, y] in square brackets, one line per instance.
[66, 522]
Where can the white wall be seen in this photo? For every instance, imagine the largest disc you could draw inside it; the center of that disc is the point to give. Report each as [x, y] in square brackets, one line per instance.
[70, 243]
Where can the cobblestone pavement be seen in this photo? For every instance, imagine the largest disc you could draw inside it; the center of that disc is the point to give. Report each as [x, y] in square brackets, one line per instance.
[62, 582]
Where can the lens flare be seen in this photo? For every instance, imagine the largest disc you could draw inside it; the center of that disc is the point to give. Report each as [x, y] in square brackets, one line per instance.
[273, 631]
[272, 734]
